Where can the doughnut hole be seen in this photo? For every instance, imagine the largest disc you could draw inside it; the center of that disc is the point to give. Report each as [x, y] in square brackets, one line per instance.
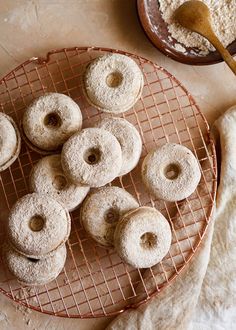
[52, 120]
[111, 216]
[114, 79]
[172, 171]
[148, 240]
[36, 223]
[92, 156]
[33, 260]
[59, 182]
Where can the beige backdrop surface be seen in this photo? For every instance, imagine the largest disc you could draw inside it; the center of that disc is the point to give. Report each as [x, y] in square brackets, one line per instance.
[31, 28]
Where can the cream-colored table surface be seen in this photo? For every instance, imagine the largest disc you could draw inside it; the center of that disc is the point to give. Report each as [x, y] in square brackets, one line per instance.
[31, 28]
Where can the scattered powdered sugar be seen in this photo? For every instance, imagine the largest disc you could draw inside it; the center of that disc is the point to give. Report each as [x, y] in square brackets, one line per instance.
[25, 311]
[223, 17]
[3, 316]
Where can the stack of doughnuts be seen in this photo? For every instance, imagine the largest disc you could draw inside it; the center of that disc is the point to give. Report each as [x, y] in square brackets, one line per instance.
[79, 165]
[38, 228]
[140, 235]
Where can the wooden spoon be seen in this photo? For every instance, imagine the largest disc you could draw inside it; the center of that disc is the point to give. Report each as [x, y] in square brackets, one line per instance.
[195, 16]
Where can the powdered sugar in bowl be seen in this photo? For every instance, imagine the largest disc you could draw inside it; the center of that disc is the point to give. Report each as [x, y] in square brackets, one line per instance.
[180, 44]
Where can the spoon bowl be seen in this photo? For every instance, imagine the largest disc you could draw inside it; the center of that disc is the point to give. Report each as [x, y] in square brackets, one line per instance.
[193, 15]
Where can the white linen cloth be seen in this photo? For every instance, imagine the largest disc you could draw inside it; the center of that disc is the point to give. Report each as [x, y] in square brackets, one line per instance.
[203, 297]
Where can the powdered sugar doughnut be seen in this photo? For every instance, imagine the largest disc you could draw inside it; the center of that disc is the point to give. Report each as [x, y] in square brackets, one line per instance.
[102, 210]
[33, 272]
[142, 237]
[171, 172]
[10, 141]
[113, 83]
[92, 157]
[129, 139]
[47, 177]
[50, 120]
[38, 225]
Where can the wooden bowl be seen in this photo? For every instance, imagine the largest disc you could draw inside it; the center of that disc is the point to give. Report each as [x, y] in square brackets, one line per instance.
[156, 30]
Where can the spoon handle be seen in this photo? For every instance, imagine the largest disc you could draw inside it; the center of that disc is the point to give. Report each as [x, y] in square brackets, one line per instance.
[223, 51]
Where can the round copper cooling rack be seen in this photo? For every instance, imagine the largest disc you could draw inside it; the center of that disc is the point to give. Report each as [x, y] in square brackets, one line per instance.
[95, 282]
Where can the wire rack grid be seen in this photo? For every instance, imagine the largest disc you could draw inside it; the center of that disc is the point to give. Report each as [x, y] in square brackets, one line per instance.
[94, 281]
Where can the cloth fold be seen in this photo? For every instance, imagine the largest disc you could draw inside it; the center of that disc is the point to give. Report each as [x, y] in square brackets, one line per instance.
[216, 308]
[203, 297]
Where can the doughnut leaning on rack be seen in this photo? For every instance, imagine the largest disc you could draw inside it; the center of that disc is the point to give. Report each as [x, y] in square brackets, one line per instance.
[48, 177]
[102, 210]
[129, 139]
